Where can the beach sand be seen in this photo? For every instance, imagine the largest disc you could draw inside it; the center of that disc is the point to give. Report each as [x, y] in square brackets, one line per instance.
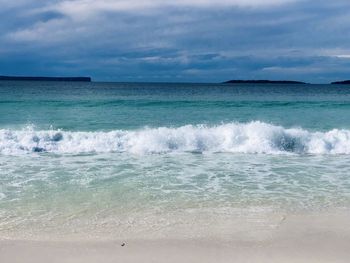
[316, 237]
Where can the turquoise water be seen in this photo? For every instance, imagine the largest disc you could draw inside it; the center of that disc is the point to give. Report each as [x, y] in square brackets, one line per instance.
[91, 151]
[110, 106]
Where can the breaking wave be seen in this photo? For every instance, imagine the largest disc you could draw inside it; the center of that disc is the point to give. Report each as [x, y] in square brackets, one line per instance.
[253, 137]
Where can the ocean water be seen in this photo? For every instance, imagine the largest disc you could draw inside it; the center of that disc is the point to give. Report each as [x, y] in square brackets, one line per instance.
[121, 157]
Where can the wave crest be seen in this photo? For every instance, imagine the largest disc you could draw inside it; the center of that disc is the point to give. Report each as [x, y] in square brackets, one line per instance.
[254, 137]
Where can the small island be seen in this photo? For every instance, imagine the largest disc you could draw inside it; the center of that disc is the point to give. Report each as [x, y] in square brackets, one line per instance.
[344, 82]
[26, 78]
[263, 82]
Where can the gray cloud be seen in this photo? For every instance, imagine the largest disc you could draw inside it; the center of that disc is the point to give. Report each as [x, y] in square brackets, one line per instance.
[182, 41]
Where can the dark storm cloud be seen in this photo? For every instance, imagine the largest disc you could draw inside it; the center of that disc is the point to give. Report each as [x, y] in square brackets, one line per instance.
[182, 41]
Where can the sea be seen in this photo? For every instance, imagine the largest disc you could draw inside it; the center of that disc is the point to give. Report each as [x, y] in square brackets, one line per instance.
[145, 159]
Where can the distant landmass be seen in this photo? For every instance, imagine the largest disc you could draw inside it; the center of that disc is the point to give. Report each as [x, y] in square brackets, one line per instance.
[344, 82]
[263, 82]
[25, 78]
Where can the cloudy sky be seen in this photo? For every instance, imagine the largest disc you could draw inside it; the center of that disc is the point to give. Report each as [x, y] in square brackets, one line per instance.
[178, 40]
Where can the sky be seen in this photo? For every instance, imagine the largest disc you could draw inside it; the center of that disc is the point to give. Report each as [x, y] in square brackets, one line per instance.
[178, 40]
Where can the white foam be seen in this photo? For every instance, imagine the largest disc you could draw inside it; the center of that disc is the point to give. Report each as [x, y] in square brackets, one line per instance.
[254, 137]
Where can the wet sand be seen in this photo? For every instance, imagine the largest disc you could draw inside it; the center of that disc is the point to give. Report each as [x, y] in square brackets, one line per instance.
[323, 237]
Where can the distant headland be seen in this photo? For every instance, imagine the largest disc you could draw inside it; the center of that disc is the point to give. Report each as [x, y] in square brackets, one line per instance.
[263, 82]
[26, 78]
[344, 82]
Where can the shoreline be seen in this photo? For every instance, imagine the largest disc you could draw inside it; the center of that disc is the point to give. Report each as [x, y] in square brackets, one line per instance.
[315, 237]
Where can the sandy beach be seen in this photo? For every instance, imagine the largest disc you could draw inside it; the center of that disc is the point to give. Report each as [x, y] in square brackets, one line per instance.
[322, 237]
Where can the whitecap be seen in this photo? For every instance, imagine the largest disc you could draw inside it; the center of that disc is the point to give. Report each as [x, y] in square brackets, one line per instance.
[253, 137]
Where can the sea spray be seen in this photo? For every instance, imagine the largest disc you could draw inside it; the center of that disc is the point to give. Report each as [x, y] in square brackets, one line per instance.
[253, 137]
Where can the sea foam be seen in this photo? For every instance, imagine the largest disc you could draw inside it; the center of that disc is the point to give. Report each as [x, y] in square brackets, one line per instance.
[253, 137]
